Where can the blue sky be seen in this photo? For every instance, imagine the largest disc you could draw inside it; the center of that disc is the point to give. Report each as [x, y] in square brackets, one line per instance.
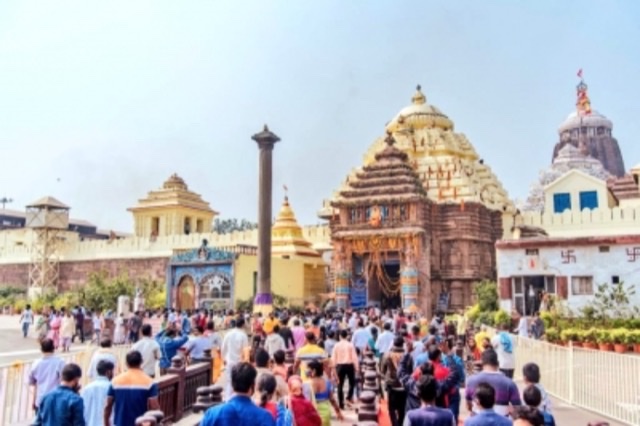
[101, 101]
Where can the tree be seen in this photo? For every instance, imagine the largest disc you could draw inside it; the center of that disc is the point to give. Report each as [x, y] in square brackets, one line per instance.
[487, 296]
[226, 226]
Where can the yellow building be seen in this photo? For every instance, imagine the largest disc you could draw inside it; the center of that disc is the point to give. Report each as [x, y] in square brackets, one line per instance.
[172, 210]
[218, 278]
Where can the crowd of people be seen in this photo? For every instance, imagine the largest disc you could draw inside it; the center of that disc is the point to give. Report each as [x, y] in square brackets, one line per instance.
[426, 368]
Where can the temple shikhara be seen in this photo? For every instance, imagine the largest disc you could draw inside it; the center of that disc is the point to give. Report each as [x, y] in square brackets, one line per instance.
[416, 226]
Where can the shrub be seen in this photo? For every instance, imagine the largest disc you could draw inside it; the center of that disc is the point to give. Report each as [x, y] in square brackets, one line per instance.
[633, 337]
[473, 313]
[552, 335]
[547, 318]
[485, 318]
[568, 335]
[603, 336]
[619, 335]
[590, 335]
[501, 318]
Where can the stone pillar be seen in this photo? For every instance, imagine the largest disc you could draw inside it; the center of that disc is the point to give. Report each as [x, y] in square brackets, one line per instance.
[266, 141]
[342, 283]
[409, 286]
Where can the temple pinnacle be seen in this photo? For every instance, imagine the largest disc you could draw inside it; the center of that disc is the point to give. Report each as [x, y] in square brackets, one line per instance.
[390, 140]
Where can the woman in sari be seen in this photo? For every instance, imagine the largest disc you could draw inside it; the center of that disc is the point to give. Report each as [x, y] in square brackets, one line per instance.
[42, 327]
[54, 332]
[304, 413]
[323, 393]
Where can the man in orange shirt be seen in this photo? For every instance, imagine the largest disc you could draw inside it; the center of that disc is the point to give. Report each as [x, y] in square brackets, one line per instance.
[345, 363]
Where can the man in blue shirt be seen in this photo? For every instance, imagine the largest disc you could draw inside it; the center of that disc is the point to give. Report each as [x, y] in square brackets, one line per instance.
[169, 345]
[484, 398]
[63, 405]
[95, 394]
[240, 409]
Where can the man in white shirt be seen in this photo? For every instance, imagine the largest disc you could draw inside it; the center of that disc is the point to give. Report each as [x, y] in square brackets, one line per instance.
[503, 345]
[353, 322]
[385, 339]
[523, 325]
[274, 342]
[233, 345]
[149, 349]
[361, 336]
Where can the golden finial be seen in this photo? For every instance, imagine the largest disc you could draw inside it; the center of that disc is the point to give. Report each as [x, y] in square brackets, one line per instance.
[419, 97]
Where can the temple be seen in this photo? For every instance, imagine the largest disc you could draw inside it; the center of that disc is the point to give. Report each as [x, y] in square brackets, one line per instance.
[591, 132]
[416, 225]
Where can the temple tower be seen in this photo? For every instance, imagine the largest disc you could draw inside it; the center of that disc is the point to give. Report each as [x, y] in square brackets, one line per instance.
[591, 132]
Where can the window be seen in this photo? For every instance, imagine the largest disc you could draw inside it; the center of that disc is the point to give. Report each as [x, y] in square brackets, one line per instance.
[581, 285]
[588, 200]
[615, 279]
[561, 202]
[199, 226]
[531, 252]
[603, 249]
[550, 284]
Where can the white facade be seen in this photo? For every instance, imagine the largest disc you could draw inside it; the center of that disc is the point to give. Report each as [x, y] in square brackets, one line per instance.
[582, 263]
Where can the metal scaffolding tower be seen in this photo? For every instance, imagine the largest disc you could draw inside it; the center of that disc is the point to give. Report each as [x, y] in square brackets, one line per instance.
[47, 217]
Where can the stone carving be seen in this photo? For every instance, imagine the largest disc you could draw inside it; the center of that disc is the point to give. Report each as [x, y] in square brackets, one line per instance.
[203, 254]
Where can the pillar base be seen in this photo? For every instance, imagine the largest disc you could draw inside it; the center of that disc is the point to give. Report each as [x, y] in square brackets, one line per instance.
[263, 303]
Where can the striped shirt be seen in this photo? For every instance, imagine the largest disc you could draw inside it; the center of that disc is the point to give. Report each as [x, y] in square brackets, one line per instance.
[131, 392]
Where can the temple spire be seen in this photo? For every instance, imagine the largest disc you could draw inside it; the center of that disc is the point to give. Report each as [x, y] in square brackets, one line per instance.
[419, 98]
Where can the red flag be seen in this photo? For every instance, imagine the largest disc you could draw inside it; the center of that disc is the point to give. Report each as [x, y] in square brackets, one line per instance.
[580, 73]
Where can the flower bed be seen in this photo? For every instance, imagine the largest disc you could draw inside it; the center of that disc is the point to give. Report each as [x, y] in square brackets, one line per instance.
[620, 340]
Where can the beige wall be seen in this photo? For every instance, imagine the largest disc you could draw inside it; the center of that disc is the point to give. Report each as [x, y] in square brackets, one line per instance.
[574, 183]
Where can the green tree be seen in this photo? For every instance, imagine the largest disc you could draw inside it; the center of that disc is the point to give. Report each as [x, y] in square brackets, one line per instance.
[487, 296]
[226, 226]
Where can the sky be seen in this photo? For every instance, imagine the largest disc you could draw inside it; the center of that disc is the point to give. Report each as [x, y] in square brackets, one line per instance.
[100, 102]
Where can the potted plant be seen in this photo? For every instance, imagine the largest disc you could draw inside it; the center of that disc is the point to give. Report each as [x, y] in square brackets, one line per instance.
[552, 335]
[633, 338]
[590, 338]
[619, 339]
[604, 340]
[569, 335]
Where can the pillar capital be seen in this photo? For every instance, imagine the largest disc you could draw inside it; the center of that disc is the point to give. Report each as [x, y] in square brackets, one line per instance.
[266, 138]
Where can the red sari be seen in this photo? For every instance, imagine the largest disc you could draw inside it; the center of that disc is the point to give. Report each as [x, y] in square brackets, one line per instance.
[304, 413]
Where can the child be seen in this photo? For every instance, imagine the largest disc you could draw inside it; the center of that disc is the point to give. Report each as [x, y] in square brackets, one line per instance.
[279, 369]
[533, 398]
[531, 375]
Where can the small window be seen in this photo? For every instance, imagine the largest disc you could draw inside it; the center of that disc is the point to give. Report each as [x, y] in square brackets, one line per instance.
[531, 252]
[155, 226]
[581, 285]
[603, 249]
[588, 200]
[561, 202]
[615, 279]
[550, 284]
[199, 226]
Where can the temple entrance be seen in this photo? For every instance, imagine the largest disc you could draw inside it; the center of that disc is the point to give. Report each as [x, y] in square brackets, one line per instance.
[391, 301]
[186, 297]
[382, 282]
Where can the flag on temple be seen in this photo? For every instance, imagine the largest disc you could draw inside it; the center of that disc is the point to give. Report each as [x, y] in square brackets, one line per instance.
[580, 73]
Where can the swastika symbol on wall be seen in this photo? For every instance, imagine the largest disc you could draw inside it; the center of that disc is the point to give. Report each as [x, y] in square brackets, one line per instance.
[633, 254]
[568, 256]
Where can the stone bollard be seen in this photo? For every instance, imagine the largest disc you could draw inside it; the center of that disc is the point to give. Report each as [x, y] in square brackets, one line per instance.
[367, 411]
[371, 382]
[216, 395]
[203, 399]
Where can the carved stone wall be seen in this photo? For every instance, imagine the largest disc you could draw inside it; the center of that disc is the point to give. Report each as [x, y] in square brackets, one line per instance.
[462, 247]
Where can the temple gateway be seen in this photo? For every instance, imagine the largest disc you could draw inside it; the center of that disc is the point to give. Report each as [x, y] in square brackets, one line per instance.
[416, 226]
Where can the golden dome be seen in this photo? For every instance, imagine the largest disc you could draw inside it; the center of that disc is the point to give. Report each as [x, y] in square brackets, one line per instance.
[286, 235]
[419, 115]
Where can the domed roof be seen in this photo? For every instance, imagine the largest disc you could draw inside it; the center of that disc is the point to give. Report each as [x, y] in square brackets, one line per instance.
[286, 235]
[419, 115]
[175, 182]
[575, 121]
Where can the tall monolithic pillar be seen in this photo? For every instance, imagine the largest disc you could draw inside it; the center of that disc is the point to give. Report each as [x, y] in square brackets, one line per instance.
[266, 141]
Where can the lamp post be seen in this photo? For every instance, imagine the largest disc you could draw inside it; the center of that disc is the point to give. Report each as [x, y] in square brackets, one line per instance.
[266, 140]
